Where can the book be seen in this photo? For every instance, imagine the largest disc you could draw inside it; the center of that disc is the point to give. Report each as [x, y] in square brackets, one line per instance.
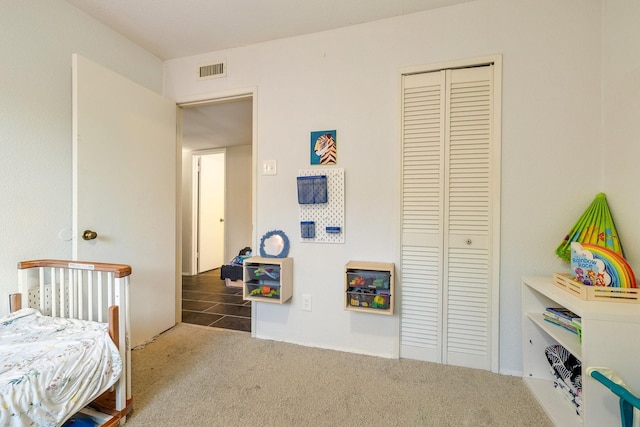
[562, 316]
[568, 326]
[562, 313]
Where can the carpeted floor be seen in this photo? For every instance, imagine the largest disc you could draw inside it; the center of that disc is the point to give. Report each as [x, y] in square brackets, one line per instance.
[197, 376]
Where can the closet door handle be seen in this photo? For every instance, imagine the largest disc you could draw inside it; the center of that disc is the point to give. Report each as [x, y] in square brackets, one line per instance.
[469, 241]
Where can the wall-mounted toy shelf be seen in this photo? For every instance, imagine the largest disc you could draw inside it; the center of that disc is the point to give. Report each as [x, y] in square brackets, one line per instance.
[268, 279]
[369, 287]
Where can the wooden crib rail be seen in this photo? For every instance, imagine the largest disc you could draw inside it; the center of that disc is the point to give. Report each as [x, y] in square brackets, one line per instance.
[77, 289]
[118, 270]
[15, 302]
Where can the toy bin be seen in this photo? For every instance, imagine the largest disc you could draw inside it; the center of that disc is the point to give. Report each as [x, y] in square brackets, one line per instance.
[369, 278]
[262, 272]
[596, 293]
[367, 297]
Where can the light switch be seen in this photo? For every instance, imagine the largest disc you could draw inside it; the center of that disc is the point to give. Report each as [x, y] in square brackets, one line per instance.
[306, 302]
[269, 167]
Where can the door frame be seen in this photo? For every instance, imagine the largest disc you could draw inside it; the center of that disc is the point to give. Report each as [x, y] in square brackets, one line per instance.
[212, 98]
[195, 205]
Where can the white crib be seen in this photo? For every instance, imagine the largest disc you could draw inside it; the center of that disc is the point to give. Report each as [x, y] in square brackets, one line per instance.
[87, 291]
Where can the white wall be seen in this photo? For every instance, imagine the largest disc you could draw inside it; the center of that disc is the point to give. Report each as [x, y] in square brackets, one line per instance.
[37, 39]
[348, 80]
[238, 200]
[620, 152]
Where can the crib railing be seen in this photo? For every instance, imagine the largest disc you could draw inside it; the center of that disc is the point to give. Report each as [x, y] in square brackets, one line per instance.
[83, 290]
[74, 289]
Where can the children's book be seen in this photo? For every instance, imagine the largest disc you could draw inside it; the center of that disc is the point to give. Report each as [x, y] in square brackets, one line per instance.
[562, 313]
[568, 326]
[587, 268]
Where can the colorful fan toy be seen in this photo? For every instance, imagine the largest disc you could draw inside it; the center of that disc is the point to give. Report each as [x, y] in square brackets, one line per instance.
[597, 266]
[594, 227]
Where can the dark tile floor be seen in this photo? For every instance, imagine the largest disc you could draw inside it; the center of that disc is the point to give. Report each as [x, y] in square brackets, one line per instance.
[207, 301]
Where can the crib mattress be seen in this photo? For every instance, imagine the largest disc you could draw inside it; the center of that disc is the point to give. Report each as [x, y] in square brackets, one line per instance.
[50, 367]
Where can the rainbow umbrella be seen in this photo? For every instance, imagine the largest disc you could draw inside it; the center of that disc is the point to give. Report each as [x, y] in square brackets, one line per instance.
[594, 227]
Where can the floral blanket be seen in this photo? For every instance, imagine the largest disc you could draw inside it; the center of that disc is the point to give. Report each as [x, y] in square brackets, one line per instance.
[52, 367]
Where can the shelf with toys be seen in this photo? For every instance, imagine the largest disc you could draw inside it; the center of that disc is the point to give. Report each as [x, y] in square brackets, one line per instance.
[369, 287]
[268, 279]
[601, 290]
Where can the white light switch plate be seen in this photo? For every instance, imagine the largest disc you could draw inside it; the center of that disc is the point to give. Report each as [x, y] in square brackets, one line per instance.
[269, 167]
[306, 302]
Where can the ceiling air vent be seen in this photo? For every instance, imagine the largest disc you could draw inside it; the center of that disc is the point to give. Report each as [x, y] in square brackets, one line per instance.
[213, 71]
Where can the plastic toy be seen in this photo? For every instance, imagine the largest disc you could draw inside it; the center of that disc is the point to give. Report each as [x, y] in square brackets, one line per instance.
[594, 227]
[381, 283]
[378, 302]
[357, 281]
[265, 291]
[629, 402]
[265, 271]
[242, 255]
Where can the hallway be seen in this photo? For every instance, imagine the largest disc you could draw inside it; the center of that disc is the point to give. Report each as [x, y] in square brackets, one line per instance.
[207, 301]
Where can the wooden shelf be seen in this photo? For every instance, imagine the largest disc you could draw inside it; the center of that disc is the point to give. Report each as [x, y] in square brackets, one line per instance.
[369, 287]
[267, 280]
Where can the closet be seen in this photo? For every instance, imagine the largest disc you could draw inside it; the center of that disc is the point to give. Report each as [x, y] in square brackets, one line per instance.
[450, 216]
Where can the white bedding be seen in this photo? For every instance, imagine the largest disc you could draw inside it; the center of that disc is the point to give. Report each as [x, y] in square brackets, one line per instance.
[52, 367]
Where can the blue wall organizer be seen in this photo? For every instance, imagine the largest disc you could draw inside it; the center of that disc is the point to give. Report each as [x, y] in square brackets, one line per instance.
[312, 189]
[308, 229]
[325, 209]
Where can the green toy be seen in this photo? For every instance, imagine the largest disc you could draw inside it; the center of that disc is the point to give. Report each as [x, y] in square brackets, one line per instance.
[378, 302]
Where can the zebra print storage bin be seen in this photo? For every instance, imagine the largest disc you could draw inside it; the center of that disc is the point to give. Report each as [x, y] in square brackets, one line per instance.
[312, 189]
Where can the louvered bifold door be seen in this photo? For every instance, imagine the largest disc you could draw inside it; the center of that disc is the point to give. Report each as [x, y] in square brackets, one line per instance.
[446, 264]
[422, 216]
[467, 281]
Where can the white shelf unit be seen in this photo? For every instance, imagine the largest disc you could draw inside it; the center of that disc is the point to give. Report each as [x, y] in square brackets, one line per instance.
[609, 339]
[274, 273]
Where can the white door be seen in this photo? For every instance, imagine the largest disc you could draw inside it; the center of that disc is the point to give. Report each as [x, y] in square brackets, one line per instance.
[124, 188]
[450, 217]
[211, 211]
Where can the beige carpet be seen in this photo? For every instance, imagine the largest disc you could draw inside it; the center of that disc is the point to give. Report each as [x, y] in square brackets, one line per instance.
[197, 376]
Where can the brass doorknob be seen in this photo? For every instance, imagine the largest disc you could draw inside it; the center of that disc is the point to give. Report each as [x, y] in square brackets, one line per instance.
[89, 235]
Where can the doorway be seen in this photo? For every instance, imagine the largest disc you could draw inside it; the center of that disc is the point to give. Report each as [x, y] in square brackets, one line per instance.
[224, 126]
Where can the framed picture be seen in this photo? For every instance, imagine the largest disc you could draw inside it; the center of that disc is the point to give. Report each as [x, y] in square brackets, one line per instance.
[324, 150]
